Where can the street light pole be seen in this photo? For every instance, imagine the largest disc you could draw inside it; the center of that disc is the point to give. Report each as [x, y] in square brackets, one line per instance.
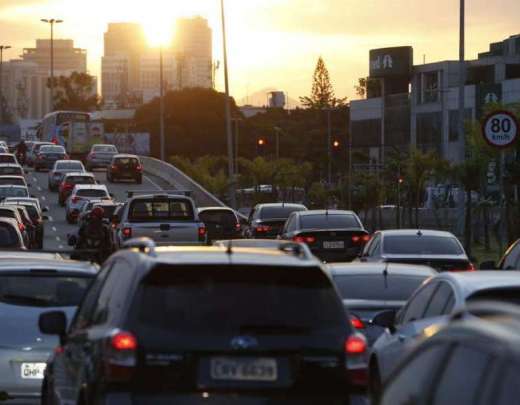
[161, 102]
[329, 148]
[2, 48]
[232, 195]
[462, 79]
[51, 22]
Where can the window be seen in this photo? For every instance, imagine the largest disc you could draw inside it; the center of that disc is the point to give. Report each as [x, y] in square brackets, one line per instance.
[8, 236]
[221, 217]
[454, 122]
[416, 306]
[369, 248]
[127, 162]
[161, 210]
[430, 87]
[414, 379]
[422, 245]
[440, 300]
[281, 212]
[463, 377]
[92, 193]
[332, 221]
[374, 287]
[52, 149]
[104, 149]
[69, 166]
[81, 180]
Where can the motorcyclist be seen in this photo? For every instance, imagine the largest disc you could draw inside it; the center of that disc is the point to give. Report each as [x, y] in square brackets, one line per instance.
[21, 151]
[94, 238]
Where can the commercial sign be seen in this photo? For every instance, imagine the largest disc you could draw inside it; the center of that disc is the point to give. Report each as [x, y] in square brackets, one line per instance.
[391, 62]
[500, 129]
[490, 93]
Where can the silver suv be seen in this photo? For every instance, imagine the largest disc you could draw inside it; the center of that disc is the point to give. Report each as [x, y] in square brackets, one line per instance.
[167, 219]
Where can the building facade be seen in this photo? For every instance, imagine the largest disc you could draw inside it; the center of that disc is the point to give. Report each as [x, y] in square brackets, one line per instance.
[150, 74]
[66, 57]
[417, 106]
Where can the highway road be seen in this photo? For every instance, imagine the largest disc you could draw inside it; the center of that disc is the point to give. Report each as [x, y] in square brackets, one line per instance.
[56, 227]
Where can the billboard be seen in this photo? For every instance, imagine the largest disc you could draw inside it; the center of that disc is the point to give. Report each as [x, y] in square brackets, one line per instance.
[391, 62]
[133, 143]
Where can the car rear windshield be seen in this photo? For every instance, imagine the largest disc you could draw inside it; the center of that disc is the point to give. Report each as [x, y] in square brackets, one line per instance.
[104, 149]
[223, 217]
[238, 300]
[421, 245]
[81, 180]
[8, 237]
[331, 221]
[92, 193]
[509, 295]
[127, 162]
[42, 291]
[10, 170]
[161, 210]
[13, 181]
[281, 212]
[69, 166]
[107, 209]
[52, 149]
[375, 288]
[7, 159]
[13, 192]
[7, 213]
[32, 211]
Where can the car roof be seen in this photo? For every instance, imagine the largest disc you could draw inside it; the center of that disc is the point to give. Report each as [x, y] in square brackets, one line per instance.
[202, 209]
[125, 155]
[68, 161]
[10, 164]
[161, 195]
[215, 256]
[394, 269]
[326, 212]
[280, 205]
[475, 281]
[28, 263]
[11, 176]
[416, 232]
[12, 186]
[90, 187]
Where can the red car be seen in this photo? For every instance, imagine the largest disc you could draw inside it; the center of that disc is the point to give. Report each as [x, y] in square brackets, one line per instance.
[68, 183]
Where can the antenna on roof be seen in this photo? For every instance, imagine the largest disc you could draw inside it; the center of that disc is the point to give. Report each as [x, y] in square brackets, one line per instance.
[419, 232]
[229, 249]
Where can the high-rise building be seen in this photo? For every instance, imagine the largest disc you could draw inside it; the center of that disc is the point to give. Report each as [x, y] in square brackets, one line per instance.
[67, 59]
[125, 43]
[150, 74]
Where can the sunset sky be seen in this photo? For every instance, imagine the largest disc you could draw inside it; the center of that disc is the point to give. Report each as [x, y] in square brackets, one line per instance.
[275, 43]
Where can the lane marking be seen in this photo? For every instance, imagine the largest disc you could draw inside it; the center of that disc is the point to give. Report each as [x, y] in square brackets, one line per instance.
[153, 183]
[44, 198]
[35, 179]
[58, 238]
[54, 229]
[51, 219]
[39, 188]
[60, 247]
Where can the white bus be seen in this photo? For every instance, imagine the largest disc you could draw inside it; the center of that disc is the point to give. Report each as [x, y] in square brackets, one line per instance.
[51, 126]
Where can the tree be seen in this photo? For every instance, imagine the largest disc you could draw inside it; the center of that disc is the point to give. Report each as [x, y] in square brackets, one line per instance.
[322, 94]
[76, 92]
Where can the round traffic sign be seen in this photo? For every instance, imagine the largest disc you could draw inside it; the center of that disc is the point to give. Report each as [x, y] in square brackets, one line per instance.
[500, 129]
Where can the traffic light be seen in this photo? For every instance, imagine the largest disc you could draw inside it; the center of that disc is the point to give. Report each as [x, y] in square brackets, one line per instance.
[400, 180]
[261, 144]
[336, 144]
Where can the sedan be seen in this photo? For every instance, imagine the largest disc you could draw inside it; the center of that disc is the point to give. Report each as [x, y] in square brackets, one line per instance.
[8, 158]
[100, 156]
[31, 286]
[440, 250]
[61, 167]
[79, 195]
[266, 220]
[221, 223]
[69, 182]
[33, 150]
[332, 235]
[48, 155]
[11, 169]
[10, 236]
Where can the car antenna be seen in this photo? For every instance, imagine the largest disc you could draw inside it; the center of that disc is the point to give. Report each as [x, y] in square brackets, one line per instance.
[419, 232]
[385, 275]
[229, 249]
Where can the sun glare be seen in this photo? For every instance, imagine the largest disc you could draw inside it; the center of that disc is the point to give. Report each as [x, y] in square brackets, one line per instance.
[159, 32]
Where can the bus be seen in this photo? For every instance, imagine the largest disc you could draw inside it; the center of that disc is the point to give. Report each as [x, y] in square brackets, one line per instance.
[51, 126]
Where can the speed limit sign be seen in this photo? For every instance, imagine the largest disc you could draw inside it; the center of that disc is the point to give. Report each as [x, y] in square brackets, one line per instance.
[500, 129]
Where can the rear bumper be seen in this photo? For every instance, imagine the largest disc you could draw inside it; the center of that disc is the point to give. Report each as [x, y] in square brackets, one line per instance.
[332, 257]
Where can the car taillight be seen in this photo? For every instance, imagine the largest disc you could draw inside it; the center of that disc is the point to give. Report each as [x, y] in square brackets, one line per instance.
[361, 238]
[263, 228]
[356, 344]
[121, 356]
[355, 352]
[127, 232]
[68, 186]
[238, 226]
[114, 167]
[356, 322]
[202, 233]
[468, 267]
[75, 199]
[139, 168]
[21, 227]
[304, 239]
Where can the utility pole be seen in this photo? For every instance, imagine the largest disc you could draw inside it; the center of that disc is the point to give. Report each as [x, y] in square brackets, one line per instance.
[329, 148]
[462, 80]
[51, 22]
[2, 48]
[232, 194]
[161, 102]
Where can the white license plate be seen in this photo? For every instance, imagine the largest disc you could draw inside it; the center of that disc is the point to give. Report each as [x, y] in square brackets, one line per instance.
[334, 245]
[229, 369]
[33, 371]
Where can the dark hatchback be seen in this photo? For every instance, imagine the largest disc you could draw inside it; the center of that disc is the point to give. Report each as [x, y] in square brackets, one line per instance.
[221, 223]
[191, 325]
[266, 220]
[125, 167]
[332, 235]
[48, 155]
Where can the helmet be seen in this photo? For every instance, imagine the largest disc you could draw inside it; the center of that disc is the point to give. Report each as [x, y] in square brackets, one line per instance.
[98, 213]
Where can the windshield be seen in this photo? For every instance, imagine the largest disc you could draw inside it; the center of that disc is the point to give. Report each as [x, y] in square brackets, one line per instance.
[11, 170]
[421, 245]
[80, 180]
[281, 212]
[248, 299]
[13, 192]
[126, 162]
[104, 149]
[8, 236]
[42, 291]
[12, 180]
[69, 166]
[221, 217]
[332, 221]
[375, 288]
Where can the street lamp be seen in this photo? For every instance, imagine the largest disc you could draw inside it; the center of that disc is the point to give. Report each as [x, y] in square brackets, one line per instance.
[2, 48]
[51, 22]
[462, 78]
[232, 195]
[161, 102]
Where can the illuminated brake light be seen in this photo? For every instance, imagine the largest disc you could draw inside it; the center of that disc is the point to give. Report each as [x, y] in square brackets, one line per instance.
[139, 168]
[356, 322]
[123, 341]
[21, 227]
[263, 228]
[202, 233]
[304, 239]
[356, 238]
[356, 344]
[238, 226]
[469, 267]
[127, 232]
[366, 238]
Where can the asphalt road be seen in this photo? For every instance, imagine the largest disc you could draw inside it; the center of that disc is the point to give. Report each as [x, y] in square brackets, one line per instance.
[56, 227]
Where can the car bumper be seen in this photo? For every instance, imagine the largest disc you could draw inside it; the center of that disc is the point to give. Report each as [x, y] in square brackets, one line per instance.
[336, 256]
[98, 163]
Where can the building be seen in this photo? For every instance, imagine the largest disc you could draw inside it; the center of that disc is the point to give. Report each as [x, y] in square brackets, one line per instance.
[150, 74]
[124, 44]
[420, 103]
[67, 59]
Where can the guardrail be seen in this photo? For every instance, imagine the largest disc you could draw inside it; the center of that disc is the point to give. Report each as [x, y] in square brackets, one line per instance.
[178, 179]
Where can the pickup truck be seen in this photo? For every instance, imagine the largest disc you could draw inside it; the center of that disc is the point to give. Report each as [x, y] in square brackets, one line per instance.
[167, 219]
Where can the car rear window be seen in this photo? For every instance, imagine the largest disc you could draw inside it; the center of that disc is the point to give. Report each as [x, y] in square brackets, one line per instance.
[223, 217]
[281, 212]
[375, 288]
[10, 170]
[8, 237]
[81, 180]
[52, 149]
[238, 300]
[126, 162]
[32, 211]
[7, 159]
[331, 221]
[421, 245]
[92, 193]
[161, 210]
[13, 181]
[43, 291]
[108, 209]
[7, 213]
[13, 192]
[104, 149]
[69, 166]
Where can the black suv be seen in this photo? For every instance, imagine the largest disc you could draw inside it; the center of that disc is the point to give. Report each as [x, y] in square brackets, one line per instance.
[125, 167]
[206, 324]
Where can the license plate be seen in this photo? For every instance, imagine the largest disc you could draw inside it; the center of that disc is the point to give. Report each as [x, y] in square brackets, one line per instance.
[334, 245]
[33, 371]
[228, 369]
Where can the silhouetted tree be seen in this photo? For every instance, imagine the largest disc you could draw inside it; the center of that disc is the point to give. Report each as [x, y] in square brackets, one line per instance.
[322, 94]
[76, 92]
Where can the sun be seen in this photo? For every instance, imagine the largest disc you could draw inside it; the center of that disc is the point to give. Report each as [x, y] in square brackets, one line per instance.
[159, 31]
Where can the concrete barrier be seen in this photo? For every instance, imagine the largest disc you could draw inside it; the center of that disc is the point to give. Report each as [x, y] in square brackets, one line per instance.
[180, 181]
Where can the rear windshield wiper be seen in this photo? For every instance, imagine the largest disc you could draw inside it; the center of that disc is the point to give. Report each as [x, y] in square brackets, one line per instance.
[25, 300]
[274, 329]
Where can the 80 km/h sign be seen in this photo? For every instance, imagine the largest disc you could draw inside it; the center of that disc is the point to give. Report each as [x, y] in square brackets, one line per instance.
[500, 129]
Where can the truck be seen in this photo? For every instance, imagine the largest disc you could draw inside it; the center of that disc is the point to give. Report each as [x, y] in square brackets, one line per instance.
[78, 137]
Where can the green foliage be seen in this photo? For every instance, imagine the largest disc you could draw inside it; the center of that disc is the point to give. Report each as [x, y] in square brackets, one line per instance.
[322, 94]
[75, 93]
[366, 85]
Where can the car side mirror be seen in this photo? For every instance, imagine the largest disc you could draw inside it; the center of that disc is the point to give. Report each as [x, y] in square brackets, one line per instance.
[53, 323]
[385, 319]
[489, 265]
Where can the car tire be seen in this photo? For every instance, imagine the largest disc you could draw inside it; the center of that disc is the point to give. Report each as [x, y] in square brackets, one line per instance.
[374, 383]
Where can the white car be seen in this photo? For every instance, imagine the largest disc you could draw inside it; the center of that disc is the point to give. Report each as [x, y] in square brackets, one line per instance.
[13, 191]
[80, 193]
[13, 181]
[8, 158]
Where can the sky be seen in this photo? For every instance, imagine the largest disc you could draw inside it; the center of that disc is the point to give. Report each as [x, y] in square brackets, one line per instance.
[276, 43]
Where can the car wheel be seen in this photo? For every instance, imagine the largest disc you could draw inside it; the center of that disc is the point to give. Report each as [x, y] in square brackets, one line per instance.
[374, 383]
